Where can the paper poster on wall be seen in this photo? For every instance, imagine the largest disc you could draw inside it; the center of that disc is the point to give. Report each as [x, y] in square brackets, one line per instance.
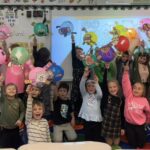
[100, 31]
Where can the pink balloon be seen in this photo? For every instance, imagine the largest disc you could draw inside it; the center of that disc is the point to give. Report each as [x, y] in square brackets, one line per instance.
[4, 32]
[37, 74]
[145, 21]
[2, 57]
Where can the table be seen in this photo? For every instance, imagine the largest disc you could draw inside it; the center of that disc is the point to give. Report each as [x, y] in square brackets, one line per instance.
[67, 146]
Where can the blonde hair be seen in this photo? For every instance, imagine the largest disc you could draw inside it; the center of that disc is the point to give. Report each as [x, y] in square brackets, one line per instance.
[38, 103]
[114, 81]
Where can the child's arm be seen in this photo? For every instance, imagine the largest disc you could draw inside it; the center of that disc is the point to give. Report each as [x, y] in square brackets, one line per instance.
[22, 114]
[1, 87]
[126, 84]
[73, 119]
[34, 53]
[83, 80]
[98, 88]
[147, 111]
[28, 115]
[48, 133]
[4, 45]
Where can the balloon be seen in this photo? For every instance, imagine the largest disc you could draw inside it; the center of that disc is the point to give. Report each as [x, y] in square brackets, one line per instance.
[37, 74]
[66, 28]
[2, 57]
[41, 29]
[90, 38]
[133, 44]
[57, 71]
[121, 30]
[107, 53]
[19, 55]
[4, 32]
[90, 60]
[132, 33]
[123, 44]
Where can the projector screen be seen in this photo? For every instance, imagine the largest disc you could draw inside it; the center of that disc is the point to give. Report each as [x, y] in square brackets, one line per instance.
[100, 25]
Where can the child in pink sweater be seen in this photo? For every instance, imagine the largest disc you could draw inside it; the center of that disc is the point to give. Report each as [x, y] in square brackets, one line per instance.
[136, 111]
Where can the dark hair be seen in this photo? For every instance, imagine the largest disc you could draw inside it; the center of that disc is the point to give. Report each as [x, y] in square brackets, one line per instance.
[126, 53]
[77, 47]
[64, 86]
[144, 55]
[43, 54]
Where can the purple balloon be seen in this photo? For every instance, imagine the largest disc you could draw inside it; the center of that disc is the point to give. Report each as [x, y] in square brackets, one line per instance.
[107, 56]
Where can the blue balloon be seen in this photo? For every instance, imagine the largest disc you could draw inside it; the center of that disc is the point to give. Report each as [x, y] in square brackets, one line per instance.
[57, 71]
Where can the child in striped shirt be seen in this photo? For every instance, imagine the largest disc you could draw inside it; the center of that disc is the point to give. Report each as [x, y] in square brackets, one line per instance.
[37, 127]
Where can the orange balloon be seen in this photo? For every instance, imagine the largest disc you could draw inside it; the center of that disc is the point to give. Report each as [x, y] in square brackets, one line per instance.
[131, 33]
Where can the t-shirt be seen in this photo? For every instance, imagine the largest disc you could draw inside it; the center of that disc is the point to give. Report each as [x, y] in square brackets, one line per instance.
[62, 111]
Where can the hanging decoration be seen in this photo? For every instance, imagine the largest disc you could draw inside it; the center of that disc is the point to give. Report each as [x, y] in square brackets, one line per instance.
[41, 28]
[5, 32]
[66, 28]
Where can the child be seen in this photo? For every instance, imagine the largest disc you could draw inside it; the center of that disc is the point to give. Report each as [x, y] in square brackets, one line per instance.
[11, 116]
[63, 116]
[136, 110]
[120, 62]
[141, 71]
[37, 127]
[42, 56]
[78, 68]
[111, 103]
[90, 109]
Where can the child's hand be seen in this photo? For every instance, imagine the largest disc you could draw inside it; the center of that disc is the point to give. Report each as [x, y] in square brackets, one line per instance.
[4, 44]
[1, 79]
[73, 122]
[107, 65]
[18, 123]
[86, 72]
[96, 78]
[34, 41]
[122, 132]
[29, 89]
[99, 57]
[72, 37]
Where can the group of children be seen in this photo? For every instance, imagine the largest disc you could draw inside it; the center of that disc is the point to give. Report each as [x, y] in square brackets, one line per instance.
[101, 111]
[116, 108]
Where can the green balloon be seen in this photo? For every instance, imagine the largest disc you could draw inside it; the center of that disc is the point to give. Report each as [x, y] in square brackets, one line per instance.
[19, 55]
[40, 29]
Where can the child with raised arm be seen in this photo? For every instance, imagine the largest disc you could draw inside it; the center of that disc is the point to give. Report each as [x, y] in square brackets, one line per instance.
[37, 127]
[77, 72]
[12, 113]
[64, 119]
[136, 111]
[90, 109]
[111, 104]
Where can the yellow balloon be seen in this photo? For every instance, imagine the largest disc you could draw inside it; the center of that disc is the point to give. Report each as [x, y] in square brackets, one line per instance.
[121, 30]
[90, 38]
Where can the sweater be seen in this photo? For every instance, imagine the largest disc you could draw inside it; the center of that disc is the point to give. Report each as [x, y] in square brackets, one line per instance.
[90, 109]
[37, 130]
[10, 111]
[137, 109]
